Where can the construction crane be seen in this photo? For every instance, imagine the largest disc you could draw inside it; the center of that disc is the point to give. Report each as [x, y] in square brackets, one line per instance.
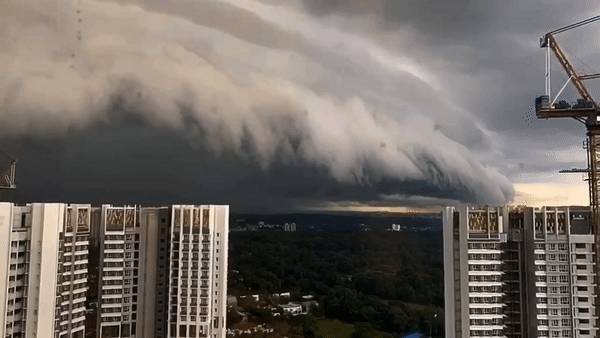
[8, 173]
[585, 110]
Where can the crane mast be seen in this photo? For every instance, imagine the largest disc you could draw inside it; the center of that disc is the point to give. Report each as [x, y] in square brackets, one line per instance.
[586, 111]
[8, 174]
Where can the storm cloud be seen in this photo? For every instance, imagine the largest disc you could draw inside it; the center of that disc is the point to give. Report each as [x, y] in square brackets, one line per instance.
[256, 102]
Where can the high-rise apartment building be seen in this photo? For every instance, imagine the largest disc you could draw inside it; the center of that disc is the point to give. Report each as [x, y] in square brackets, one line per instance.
[113, 271]
[289, 227]
[43, 269]
[162, 271]
[126, 282]
[519, 272]
[198, 271]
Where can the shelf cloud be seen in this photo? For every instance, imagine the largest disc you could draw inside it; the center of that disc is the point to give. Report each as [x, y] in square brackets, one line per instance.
[255, 80]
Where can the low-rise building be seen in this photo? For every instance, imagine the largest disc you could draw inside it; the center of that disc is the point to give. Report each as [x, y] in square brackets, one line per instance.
[293, 309]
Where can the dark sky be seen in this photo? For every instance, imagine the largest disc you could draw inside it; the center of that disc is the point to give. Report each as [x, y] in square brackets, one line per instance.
[272, 106]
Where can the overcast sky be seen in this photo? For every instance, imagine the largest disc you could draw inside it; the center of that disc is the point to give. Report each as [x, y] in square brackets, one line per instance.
[277, 105]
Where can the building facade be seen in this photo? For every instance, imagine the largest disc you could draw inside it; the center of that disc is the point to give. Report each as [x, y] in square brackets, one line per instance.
[43, 269]
[198, 271]
[163, 271]
[113, 271]
[519, 272]
[121, 270]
